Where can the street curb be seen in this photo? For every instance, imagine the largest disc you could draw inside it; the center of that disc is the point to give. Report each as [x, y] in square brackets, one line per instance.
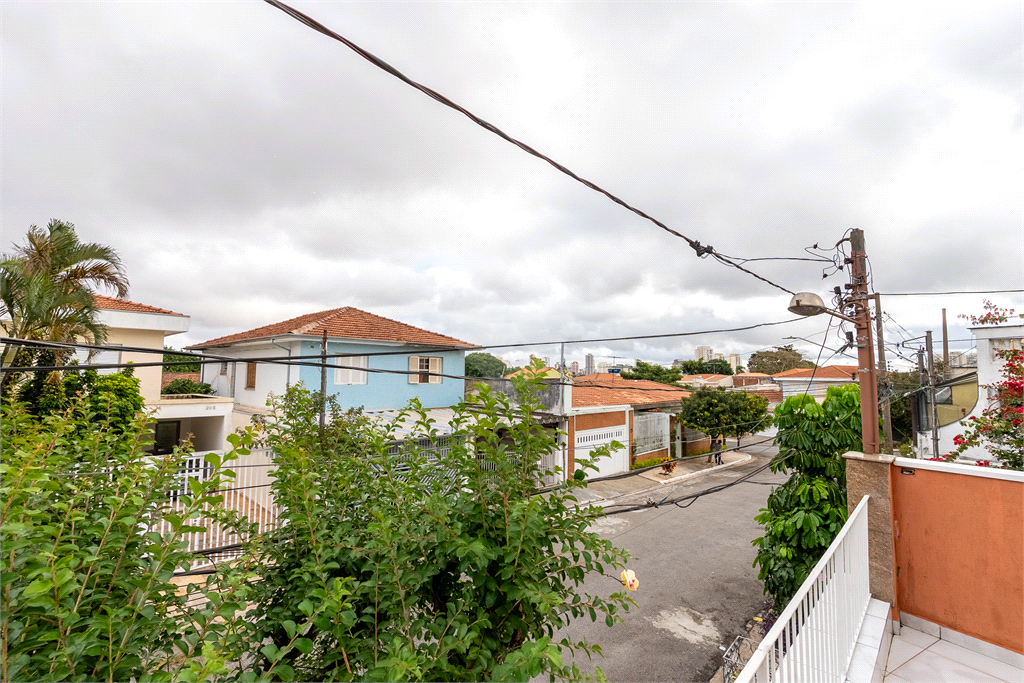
[688, 475]
[653, 487]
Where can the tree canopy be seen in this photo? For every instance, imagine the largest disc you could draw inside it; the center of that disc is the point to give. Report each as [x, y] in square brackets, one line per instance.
[705, 367]
[718, 412]
[485, 365]
[780, 359]
[654, 373]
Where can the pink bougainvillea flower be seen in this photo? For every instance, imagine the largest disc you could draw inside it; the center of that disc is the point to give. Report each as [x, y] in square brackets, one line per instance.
[629, 580]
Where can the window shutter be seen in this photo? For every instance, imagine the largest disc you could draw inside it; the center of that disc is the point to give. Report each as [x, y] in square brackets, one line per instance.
[414, 369]
[436, 367]
[250, 375]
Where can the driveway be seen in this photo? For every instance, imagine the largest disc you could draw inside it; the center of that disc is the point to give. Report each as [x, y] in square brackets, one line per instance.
[697, 586]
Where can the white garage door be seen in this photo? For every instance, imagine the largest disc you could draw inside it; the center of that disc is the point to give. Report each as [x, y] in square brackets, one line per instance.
[589, 439]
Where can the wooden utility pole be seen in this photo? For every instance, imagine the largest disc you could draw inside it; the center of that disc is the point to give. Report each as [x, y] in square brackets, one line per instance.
[945, 348]
[933, 417]
[323, 380]
[883, 378]
[865, 352]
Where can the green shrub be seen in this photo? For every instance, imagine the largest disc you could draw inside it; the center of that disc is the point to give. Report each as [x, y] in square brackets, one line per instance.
[640, 464]
[86, 575]
[805, 513]
[183, 385]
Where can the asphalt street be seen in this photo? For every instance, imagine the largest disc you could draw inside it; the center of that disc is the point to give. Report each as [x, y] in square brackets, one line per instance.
[698, 588]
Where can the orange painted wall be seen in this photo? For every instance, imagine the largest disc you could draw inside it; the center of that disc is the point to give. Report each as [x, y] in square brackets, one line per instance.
[960, 553]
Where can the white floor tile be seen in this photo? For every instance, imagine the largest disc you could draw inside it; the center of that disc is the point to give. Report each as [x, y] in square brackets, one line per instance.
[862, 665]
[930, 667]
[975, 660]
[900, 652]
[893, 678]
[877, 608]
[915, 637]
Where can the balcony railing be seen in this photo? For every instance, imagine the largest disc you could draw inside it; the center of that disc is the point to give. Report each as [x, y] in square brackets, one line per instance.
[814, 637]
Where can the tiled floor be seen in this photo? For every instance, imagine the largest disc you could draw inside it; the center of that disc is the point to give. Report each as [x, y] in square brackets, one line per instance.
[916, 657]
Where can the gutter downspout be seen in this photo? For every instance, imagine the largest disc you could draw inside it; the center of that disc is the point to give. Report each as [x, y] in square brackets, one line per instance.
[288, 382]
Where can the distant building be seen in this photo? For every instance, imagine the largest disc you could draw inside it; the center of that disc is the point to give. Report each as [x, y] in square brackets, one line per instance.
[719, 356]
[704, 353]
[678, 363]
[735, 362]
[575, 367]
[590, 368]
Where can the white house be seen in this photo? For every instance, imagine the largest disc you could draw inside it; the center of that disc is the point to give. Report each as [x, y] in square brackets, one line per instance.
[963, 397]
[203, 420]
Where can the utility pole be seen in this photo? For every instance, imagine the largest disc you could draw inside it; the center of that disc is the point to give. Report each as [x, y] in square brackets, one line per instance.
[945, 348]
[865, 353]
[883, 377]
[323, 380]
[934, 416]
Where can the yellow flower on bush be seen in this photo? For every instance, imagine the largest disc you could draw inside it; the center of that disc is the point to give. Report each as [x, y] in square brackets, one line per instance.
[629, 580]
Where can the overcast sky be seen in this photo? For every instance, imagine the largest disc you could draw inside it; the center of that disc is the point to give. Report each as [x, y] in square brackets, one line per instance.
[249, 170]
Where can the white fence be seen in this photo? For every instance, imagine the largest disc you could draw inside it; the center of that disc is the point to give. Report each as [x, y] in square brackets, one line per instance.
[650, 432]
[248, 494]
[814, 637]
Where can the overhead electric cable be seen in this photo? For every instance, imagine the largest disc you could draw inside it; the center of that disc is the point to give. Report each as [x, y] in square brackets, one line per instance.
[433, 94]
[987, 291]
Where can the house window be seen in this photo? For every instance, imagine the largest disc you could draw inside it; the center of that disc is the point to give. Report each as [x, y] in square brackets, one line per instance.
[250, 375]
[166, 436]
[419, 366]
[348, 376]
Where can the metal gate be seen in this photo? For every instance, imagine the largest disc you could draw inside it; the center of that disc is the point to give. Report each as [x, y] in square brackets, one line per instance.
[589, 439]
[650, 432]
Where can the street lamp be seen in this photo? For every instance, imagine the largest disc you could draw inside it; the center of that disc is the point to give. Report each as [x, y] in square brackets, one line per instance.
[809, 303]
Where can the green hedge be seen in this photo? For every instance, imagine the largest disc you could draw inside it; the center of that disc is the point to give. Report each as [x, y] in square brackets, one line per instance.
[640, 464]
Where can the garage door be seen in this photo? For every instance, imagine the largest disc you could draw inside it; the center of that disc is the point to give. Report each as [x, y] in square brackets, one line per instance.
[589, 439]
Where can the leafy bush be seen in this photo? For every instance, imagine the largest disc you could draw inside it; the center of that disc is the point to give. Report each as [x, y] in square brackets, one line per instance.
[416, 564]
[86, 573]
[441, 567]
[805, 513]
[184, 385]
[640, 464]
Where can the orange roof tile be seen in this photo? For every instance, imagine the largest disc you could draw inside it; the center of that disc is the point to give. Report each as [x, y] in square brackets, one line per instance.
[112, 304]
[347, 323]
[751, 374]
[847, 372]
[608, 389]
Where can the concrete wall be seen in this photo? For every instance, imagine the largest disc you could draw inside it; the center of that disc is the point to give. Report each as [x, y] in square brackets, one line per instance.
[548, 396]
[149, 378]
[959, 548]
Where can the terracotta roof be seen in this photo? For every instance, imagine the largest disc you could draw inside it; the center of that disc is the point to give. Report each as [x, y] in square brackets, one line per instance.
[847, 372]
[712, 378]
[111, 304]
[347, 323]
[751, 374]
[607, 389]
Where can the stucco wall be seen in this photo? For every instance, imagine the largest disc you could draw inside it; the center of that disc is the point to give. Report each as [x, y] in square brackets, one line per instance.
[149, 378]
[959, 549]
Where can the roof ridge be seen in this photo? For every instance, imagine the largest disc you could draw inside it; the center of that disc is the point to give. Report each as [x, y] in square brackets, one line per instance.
[332, 313]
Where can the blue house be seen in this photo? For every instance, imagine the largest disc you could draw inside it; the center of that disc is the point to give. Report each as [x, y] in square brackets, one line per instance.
[391, 362]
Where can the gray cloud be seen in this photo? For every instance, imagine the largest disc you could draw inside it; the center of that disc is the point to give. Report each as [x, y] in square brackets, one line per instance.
[250, 170]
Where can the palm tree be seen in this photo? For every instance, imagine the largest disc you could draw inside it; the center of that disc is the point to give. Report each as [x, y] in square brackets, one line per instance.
[45, 287]
[57, 254]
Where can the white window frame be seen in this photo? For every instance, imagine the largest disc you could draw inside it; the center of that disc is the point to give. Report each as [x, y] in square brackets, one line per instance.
[433, 365]
[348, 376]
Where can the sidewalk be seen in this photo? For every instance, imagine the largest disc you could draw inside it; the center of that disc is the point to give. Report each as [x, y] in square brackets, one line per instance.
[638, 482]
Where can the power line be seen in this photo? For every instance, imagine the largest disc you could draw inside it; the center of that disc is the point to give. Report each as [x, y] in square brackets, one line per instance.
[206, 359]
[433, 94]
[987, 291]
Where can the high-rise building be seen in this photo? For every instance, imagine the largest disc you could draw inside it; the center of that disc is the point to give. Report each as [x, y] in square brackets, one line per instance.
[719, 356]
[575, 367]
[590, 368]
[704, 353]
[735, 361]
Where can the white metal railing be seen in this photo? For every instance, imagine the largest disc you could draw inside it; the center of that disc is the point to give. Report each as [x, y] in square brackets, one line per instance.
[814, 637]
[249, 494]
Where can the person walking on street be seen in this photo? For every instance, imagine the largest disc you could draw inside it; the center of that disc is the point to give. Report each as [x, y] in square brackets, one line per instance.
[716, 449]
